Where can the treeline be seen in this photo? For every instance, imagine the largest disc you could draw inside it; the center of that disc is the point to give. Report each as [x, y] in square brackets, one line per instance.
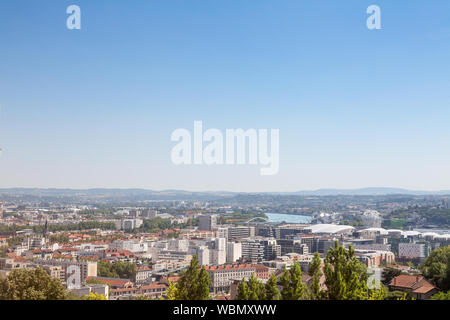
[157, 225]
[435, 216]
[84, 225]
[120, 269]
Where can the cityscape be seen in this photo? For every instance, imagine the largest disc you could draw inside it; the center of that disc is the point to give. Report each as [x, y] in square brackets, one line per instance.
[214, 158]
[117, 245]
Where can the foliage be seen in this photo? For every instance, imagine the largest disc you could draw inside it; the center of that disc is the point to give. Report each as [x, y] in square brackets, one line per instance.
[293, 287]
[346, 278]
[120, 269]
[154, 225]
[255, 288]
[315, 272]
[94, 296]
[271, 291]
[3, 251]
[441, 296]
[194, 283]
[436, 268]
[59, 238]
[389, 274]
[243, 293]
[172, 291]
[35, 284]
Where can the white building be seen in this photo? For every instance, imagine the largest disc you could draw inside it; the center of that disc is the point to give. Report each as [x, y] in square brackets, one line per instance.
[131, 224]
[234, 251]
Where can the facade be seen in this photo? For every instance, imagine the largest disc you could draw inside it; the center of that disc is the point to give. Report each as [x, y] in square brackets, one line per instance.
[207, 222]
[222, 276]
[71, 271]
[412, 250]
[252, 251]
[236, 233]
[234, 251]
[131, 224]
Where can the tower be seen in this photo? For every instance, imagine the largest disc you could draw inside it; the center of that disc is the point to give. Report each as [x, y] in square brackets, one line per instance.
[44, 233]
[1, 210]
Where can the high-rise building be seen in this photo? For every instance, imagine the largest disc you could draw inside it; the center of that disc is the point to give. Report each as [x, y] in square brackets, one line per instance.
[252, 251]
[234, 251]
[236, 233]
[207, 222]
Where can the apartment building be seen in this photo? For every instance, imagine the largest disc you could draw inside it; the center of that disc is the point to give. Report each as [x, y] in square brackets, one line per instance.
[222, 276]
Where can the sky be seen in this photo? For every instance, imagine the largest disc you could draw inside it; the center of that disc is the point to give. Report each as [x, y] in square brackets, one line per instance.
[96, 107]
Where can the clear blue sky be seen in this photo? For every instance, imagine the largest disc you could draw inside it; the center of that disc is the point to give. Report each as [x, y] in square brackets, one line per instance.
[96, 107]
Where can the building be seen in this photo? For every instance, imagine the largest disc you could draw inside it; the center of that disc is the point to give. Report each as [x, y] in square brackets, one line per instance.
[374, 258]
[234, 251]
[236, 233]
[371, 219]
[417, 286]
[292, 245]
[217, 251]
[222, 276]
[252, 251]
[412, 250]
[74, 273]
[272, 250]
[131, 224]
[143, 274]
[130, 245]
[207, 222]
[100, 289]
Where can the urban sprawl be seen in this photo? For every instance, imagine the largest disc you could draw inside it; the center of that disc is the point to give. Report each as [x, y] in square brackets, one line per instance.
[133, 246]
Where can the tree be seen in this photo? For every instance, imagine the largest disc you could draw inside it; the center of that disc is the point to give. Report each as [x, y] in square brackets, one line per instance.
[436, 268]
[171, 291]
[119, 269]
[242, 293]
[389, 274]
[35, 284]
[346, 278]
[441, 296]
[255, 288]
[271, 291]
[194, 283]
[293, 286]
[315, 272]
[94, 296]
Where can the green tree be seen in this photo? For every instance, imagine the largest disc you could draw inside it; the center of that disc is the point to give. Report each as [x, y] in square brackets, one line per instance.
[94, 296]
[271, 291]
[255, 288]
[346, 278]
[35, 284]
[171, 291]
[293, 287]
[194, 283]
[436, 268]
[119, 269]
[389, 274]
[315, 272]
[242, 293]
[441, 296]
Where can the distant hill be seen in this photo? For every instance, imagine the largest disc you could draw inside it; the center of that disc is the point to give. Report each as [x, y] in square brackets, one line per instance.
[183, 194]
[369, 191]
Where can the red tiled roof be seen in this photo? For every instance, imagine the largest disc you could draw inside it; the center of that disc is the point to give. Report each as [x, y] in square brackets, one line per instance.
[406, 281]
